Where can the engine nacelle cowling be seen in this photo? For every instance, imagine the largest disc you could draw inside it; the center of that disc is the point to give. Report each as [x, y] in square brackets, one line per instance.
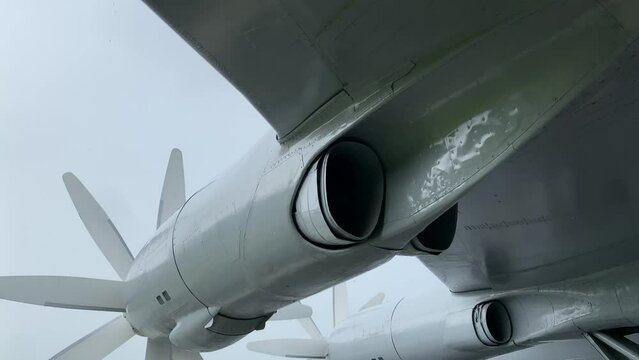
[449, 328]
[340, 200]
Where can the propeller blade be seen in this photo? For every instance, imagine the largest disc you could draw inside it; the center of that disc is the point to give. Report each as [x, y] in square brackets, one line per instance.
[162, 349]
[158, 349]
[64, 292]
[100, 227]
[311, 328]
[340, 303]
[376, 300]
[179, 354]
[296, 310]
[173, 193]
[99, 343]
[291, 348]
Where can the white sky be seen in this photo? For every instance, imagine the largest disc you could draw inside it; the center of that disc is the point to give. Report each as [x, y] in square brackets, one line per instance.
[105, 89]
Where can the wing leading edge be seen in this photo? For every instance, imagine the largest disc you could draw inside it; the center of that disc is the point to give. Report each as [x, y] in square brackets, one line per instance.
[291, 57]
[261, 50]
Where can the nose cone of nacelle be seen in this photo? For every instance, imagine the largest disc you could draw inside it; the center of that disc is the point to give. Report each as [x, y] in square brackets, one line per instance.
[340, 200]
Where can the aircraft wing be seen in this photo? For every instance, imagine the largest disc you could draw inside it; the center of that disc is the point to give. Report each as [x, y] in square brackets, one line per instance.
[266, 48]
[294, 58]
[291, 57]
[561, 350]
[535, 219]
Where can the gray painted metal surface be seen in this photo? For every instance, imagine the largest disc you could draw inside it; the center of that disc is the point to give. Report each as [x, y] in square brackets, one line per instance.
[564, 205]
[446, 326]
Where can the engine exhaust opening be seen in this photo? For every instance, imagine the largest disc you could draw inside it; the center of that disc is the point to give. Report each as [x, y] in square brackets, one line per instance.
[340, 200]
[438, 235]
[492, 323]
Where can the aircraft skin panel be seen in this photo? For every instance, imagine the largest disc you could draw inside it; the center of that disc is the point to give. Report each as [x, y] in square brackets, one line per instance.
[564, 205]
[291, 57]
[259, 48]
[157, 295]
[459, 119]
[562, 350]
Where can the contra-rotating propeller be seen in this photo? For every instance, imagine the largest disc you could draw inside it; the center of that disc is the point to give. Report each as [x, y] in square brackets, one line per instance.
[316, 346]
[109, 295]
[96, 294]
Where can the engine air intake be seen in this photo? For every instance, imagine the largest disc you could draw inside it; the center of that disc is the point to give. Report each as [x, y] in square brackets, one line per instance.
[492, 323]
[340, 200]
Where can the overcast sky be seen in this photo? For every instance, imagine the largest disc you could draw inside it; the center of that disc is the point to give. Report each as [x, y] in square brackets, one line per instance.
[105, 89]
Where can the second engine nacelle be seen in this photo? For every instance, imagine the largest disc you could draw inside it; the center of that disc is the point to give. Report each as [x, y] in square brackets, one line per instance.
[340, 200]
[450, 328]
[454, 329]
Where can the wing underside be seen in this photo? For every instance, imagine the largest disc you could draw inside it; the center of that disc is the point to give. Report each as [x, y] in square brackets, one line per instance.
[291, 57]
[559, 208]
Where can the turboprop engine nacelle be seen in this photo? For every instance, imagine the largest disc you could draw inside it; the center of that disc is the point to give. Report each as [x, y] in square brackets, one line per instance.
[411, 330]
[274, 229]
